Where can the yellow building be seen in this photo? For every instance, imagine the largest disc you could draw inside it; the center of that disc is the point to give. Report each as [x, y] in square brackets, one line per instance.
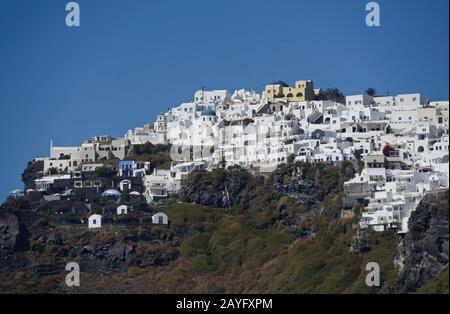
[303, 90]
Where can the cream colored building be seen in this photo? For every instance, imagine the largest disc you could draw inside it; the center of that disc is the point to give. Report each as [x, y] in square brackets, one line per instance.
[442, 113]
[439, 116]
[302, 91]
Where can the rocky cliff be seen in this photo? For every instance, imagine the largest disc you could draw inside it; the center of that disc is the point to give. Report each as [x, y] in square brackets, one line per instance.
[423, 252]
[229, 232]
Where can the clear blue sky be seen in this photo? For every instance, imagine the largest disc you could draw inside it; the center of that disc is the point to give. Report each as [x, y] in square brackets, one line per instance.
[130, 60]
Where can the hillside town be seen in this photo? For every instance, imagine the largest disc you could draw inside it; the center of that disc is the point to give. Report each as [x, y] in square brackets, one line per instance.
[400, 143]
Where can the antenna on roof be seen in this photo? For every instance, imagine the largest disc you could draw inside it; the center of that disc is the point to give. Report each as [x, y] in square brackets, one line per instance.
[203, 93]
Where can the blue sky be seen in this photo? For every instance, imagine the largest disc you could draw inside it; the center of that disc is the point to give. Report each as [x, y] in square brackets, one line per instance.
[130, 60]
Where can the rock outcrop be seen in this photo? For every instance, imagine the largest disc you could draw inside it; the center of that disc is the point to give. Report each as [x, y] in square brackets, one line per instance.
[220, 188]
[423, 252]
[9, 231]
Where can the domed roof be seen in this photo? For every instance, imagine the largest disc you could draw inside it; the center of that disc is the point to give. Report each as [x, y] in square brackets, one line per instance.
[111, 193]
[283, 84]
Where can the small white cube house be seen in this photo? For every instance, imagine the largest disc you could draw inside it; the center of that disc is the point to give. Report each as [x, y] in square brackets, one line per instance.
[122, 210]
[95, 221]
[160, 219]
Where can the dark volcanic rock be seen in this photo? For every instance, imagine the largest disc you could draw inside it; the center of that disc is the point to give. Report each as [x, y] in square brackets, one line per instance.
[360, 243]
[423, 253]
[32, 172]
[309, 183]
[120, 251]
[219, 188]
[9, 232]
[11, 263]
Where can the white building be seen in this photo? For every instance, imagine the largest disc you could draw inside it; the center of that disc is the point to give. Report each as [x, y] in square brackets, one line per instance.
[160, 219]
[403, 141]
[159, 185]
[203, 96]
[122, 210]
[362, 100]
[95, 221]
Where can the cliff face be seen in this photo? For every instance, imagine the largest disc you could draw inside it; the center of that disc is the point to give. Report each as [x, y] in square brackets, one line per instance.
[222, 189]
[229, 232]
[36, 244]
[9, 231]
[423, 252]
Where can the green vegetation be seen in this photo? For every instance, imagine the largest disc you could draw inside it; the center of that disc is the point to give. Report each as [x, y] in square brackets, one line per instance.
[31, 172]
[158, 155]
[333, 94]
[436, 285]
[255, 248]
[371, 91]
[281, 233]
[105, 172]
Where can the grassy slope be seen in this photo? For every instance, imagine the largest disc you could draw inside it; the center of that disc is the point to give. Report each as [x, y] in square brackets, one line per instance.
[158, 155]
[252, 251]
[436, 285]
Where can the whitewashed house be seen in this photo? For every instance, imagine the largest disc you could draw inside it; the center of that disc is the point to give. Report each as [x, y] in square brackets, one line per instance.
[125, 185]
[160, 219]
[159, 185]
[95, 221]
[122, 210]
